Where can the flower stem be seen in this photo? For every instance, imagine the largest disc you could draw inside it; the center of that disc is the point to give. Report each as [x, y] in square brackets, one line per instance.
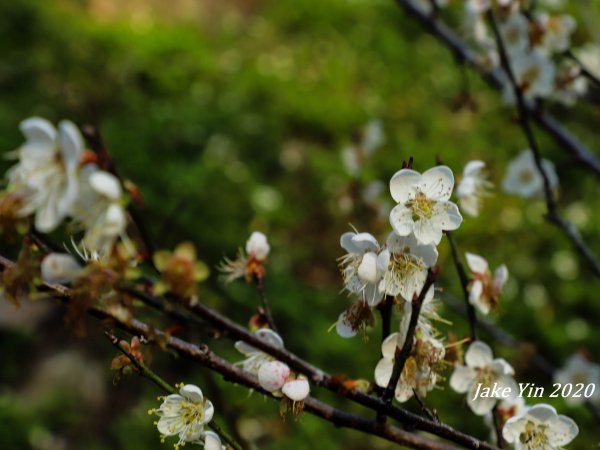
[152, 376]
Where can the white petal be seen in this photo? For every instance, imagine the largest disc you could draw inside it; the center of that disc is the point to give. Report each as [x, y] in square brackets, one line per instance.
[472, 168]
[401, 219]
[402, 184]
[258, 246]
[476, 263]
[543, 413]
[437, 183]
[479, 354]
[500, 277]
[462, 378]
[562, 431]
[212, 441]
[388, 346]
[479, 405]
[272, 375]
[513, 428]
[47, 218]
[270, 336]
[59, 268]
[347, 244]
[209, 411]
[296, 390]
[446, 216]
[344, 328]
[71, 142]
[476, 297]
[427, 232]
[428, 253]
[367, 270]
[383, 372]
[372, 294]
[191, 392]
[39, 132]
[114, 220]
[106, 184]
[365, 242]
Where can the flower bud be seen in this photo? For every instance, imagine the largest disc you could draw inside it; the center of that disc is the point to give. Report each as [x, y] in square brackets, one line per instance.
[257, 246]
[296, 390]
[272, 375]
[59, 268]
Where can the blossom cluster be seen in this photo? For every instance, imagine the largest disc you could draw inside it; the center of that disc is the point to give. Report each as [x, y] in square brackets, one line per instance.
[56, 179]
[535, 43]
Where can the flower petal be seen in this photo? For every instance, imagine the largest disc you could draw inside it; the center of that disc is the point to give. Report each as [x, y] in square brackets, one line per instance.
[367, 270]
[296, 390]
[479, 405]
[212, 441]
[402, 184]
[383, 372]
[479, 354]
[437, 183]
[38, 132]
[462, 378]
[59, 268]
[476, 263]
[191, 392]
[106, 184]
[347, 244]
[270, 336]
[388, 346]
[401, 219]
[365, 242]
[344, 328]
[71, 142]
[562, 431]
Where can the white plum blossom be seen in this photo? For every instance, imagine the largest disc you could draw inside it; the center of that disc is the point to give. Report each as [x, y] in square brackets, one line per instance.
[523, 177]
[408, 262]
[485, 289]
[363, 266]
[579, 370]
[297, 389]
[556, 32]
[534, 75]
[255, 358]
[481, 370]
[45, 179]
[60, 268]
[420, 369]
[571, 85]
[473, 186]
[506, 408]
[99, 209]
[540, 428]
[257, 246]
[185, 414]
[424, 207]
[515, 34]
[272, 375]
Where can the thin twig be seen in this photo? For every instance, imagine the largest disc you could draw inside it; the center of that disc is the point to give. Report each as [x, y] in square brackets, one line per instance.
[498, 427]
[403, 353]
[464, 283]
[431, 414]
[259, 281]
[152, 376]
[563, 137]
[318, 376]
[524, 113]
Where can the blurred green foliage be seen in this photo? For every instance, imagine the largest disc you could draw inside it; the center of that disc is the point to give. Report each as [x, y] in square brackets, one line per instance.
[231, 118]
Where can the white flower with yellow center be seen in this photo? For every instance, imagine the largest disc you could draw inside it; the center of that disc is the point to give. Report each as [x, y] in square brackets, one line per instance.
[515, 33]
[571, 85]
[363, 266]
[540, 428]
[485, 289]
[534, 74]
[579, 370]
[46, 176]
[473, 186]
[523, 177]
[424, 207]
[255, 358]
[556, 32]
[408, 262]
[482, 371]
[185, 414]
[419, 371]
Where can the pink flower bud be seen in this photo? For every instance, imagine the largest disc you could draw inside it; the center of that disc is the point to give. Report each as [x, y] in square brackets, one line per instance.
[296, 390]
[272, 375]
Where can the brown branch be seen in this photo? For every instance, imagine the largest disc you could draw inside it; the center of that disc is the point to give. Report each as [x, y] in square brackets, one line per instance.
[403, 353]
[317, 376]
[464, 283]
[259, 281]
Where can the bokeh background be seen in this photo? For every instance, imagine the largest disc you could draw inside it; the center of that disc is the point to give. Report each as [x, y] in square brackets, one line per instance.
[232, 117]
